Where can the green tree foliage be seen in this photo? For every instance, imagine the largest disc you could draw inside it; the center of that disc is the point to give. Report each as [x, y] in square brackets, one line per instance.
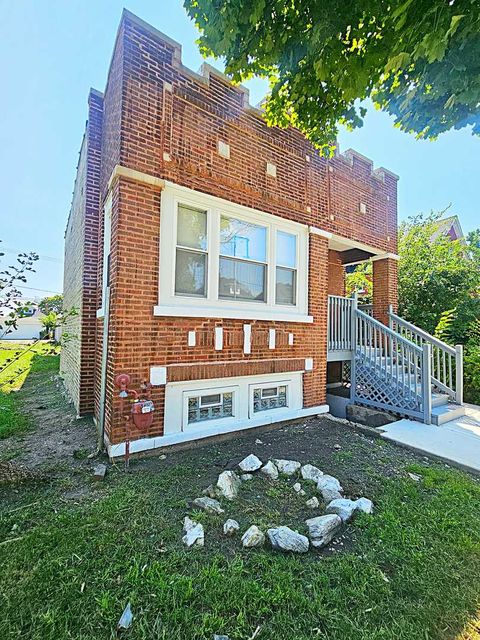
[437, 274]
[51, 303]
[360, 281]
[416, 59]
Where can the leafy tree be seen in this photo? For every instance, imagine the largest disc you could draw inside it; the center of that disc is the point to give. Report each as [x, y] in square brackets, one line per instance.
[416, 59]
[360, 281]
[435, 275]
[50, 322]
[51, 303]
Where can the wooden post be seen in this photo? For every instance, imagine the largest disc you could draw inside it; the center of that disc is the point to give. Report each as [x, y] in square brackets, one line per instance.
[353, 345]
[427, 383]
[390, 319]
[459, 373]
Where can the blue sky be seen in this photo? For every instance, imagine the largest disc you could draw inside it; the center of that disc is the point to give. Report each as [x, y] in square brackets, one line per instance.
[52, 51]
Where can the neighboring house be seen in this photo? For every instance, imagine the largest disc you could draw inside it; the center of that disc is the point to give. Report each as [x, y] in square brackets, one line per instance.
[201, 249]
[29, 325]
[450, 227]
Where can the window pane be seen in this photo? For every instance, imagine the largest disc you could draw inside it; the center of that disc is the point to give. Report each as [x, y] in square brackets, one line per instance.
[286, 249]
[270, 392]
[214, 398]
[285, 291]
[241, 239]
[191, 228]
[199, 413]
[241, 280]
[190, 272]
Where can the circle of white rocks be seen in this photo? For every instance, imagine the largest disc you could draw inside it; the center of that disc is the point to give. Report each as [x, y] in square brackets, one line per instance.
[322, 529]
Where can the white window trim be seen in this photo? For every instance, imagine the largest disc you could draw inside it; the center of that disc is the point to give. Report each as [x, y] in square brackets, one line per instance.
[211, 306]
[107, 241]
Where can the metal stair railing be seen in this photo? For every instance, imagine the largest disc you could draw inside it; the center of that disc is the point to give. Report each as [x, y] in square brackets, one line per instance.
[446, 361]
[389, 371]
[340, 323]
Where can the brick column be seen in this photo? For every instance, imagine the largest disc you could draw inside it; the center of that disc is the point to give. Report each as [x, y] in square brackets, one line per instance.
[314, 382]
[385, 289]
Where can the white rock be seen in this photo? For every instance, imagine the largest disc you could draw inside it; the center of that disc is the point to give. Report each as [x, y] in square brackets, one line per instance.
[250, 463]
[194, 536]
[246, 476]
[230, 527]
[329, 482]
[253, 537]
[270, 470]
[188, 524]
[208, 504]
[228, 484]
[285, 539]
[322, 529]
[342, 507]
[313, 503]
[329, 494]
[258, 441]
[288, 467]
[415, 477]
[364, 505]
[297, 487]
[309, 472]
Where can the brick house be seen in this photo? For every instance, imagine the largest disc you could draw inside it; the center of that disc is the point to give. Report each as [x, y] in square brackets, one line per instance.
[201, 250]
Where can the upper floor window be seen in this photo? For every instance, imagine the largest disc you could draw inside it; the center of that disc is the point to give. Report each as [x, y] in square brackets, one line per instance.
[191, 252]
[243, 257]
[286, 269]
[219, 259]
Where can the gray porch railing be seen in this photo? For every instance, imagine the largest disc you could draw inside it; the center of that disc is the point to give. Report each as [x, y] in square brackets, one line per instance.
[389, 370]
[366, 308]
[340, 323]
[446, 361]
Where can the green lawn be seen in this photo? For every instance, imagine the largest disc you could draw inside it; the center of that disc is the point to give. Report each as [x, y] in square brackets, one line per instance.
[410, 572]
[22, 360]
[73, 551]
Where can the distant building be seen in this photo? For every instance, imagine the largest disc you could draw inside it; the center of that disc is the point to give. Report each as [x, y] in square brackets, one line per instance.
[29, 325]
[450, 227]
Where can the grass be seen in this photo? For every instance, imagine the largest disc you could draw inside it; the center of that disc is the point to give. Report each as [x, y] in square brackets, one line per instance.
[25, 360]
[410, 573]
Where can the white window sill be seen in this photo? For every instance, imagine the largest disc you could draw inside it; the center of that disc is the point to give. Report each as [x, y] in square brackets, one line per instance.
[180, 311]
[100, 313]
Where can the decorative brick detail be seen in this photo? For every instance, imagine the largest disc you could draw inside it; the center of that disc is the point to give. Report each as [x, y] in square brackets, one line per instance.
[235, 368]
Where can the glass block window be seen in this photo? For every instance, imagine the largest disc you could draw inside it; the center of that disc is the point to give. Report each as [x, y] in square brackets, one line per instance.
[211, 406]
[267, 398]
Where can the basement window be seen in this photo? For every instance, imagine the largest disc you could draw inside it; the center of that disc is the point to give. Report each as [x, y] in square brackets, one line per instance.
[211, 406]
[266, 398]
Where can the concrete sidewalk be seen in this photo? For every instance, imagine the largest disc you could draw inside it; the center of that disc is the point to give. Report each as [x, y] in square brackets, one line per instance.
[457, 441]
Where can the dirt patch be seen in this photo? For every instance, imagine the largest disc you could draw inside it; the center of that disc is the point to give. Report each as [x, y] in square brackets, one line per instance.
[57, 438]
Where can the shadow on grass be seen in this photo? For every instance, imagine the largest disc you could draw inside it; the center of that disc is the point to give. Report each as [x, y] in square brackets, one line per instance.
[13, 420]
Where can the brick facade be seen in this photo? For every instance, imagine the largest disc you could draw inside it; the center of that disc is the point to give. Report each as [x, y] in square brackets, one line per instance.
[165, 122]
[78, 359]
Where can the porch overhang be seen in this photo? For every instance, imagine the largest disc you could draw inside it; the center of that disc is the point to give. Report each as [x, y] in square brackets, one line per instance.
[352, 251]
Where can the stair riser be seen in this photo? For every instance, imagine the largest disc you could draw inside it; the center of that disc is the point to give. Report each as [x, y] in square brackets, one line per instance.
[448, 416]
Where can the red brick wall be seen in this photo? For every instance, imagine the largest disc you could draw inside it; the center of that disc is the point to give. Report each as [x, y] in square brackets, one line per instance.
[385, 287]
[78, 359]
[163, 120]
[336, 274]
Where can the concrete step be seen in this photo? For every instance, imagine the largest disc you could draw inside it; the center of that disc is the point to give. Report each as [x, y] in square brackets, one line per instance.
[447, 412]
[439, 399]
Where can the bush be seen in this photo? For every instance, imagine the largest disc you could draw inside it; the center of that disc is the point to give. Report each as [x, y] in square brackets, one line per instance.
[471, 374]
